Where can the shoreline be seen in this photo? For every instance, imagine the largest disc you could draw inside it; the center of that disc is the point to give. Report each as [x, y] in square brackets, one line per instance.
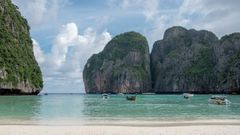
[133, 123]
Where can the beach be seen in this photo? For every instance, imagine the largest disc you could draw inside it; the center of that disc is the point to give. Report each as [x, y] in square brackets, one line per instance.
[119, 130]
[204, 127]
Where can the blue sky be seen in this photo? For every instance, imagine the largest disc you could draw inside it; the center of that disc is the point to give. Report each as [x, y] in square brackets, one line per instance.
[67, 32]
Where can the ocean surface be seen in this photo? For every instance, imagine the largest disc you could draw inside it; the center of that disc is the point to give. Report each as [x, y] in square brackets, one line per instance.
[82, 107]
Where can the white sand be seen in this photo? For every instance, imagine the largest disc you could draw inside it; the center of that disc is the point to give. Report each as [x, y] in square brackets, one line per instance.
[119, 130]
[147, 128]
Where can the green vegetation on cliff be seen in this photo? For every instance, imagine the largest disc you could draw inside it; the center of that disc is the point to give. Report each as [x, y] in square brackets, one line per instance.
[228, 66]
[121, 44]
[203, 63]
[196, 61]
[183, 61]
[17, 62]
[122, 66]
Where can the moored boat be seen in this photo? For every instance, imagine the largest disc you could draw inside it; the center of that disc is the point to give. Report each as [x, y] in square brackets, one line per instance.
[219, 100]
[187, 95]
[131, 98]
[105, 96]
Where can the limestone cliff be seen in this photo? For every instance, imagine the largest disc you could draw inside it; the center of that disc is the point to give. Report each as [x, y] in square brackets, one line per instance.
[19, 71]
[122, 67]
[228, 63]
[195, 61]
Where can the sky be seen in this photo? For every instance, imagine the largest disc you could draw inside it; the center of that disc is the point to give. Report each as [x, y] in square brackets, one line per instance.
[66, 33]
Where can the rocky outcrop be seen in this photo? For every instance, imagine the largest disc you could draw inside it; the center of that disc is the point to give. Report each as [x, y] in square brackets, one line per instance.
[122, 67]
[183, 61]
[228, 63]
[195, 61]
[19, 71]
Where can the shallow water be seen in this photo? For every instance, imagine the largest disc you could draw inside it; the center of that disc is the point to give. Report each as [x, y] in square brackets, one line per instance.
[82, 107]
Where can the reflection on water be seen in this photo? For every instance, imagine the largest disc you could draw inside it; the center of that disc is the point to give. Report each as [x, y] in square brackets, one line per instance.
[81, 107]
[61, 107]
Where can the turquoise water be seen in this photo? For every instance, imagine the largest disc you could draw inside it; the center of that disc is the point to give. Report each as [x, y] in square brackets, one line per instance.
[81, 107]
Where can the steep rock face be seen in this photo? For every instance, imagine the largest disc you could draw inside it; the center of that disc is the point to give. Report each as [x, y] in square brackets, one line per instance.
[228, 63]
[196, 61]
[184, 61]
[19, 71]
[122, 67]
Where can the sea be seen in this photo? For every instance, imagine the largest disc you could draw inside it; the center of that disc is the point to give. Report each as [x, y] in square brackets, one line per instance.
[84, 107]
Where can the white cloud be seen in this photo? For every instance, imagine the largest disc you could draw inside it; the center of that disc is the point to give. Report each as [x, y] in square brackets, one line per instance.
[40, 11]
[218, 16]
[70, 51]
[38, 52]
[66, 38]
[150, 9]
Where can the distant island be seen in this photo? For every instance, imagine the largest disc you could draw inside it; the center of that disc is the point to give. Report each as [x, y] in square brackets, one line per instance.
[183, 61]
[19, 71]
